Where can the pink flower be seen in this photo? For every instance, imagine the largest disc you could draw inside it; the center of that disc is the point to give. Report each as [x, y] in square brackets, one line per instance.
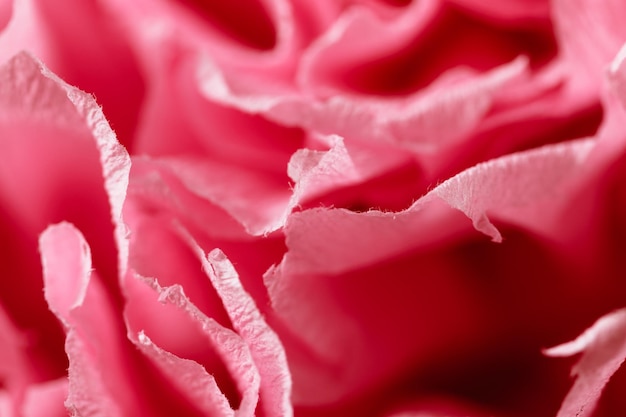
[365, 207]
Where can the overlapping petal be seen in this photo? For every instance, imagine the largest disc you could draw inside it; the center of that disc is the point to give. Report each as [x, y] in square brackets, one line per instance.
[603, 348]
[391, 205]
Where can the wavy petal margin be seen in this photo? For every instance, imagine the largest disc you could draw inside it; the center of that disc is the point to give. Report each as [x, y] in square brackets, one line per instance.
[251, 351]
[66, 260]
[603, 348]
[27, 83]
[265, 347]
[509, 188]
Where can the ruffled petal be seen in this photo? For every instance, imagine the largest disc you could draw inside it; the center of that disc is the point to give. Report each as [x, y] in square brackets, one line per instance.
[51, 132]
[265, 347]
[603, 348]
[79, 302]
[178, 315]
[188, 376]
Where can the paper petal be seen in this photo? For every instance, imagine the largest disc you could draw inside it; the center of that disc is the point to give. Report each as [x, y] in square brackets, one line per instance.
[114, 160]
[356, 175]
[317, 172]
[510, 186]
[189, 377]
[603, 348]
[229, 347]
[265, 347]
[66, 260]
[415, 121]
[63, 131]
[153, 188]
[212, 194]
[255, 200]
[327, 247]
[67, 271]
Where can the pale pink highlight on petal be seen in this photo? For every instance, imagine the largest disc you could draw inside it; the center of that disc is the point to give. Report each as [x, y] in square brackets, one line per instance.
[32, 89]
[365, 238]
[425, 121]
[265, 347]
[66, 263]
[114, 159]
[151, 186]
[617, 76]
[231, 349]
[188, 376]
[316, 172]
[252, 199]
[513, 187]
[260, 203]
[444, 115]
[603, 348]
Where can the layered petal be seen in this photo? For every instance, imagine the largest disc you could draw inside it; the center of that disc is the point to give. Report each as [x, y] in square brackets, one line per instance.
[99, 60]
[55, 142]
[79, 302]
[236, 362]
[603, 348]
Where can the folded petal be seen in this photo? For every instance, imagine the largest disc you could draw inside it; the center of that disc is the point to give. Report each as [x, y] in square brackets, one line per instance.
[167, 327]
[56, 141]
[94, 387]
[603, 348]
[511, 188]
[416, 120]
[414, 252]
[188, 376]
[257, 201]
[515, 186]
[265, 347]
